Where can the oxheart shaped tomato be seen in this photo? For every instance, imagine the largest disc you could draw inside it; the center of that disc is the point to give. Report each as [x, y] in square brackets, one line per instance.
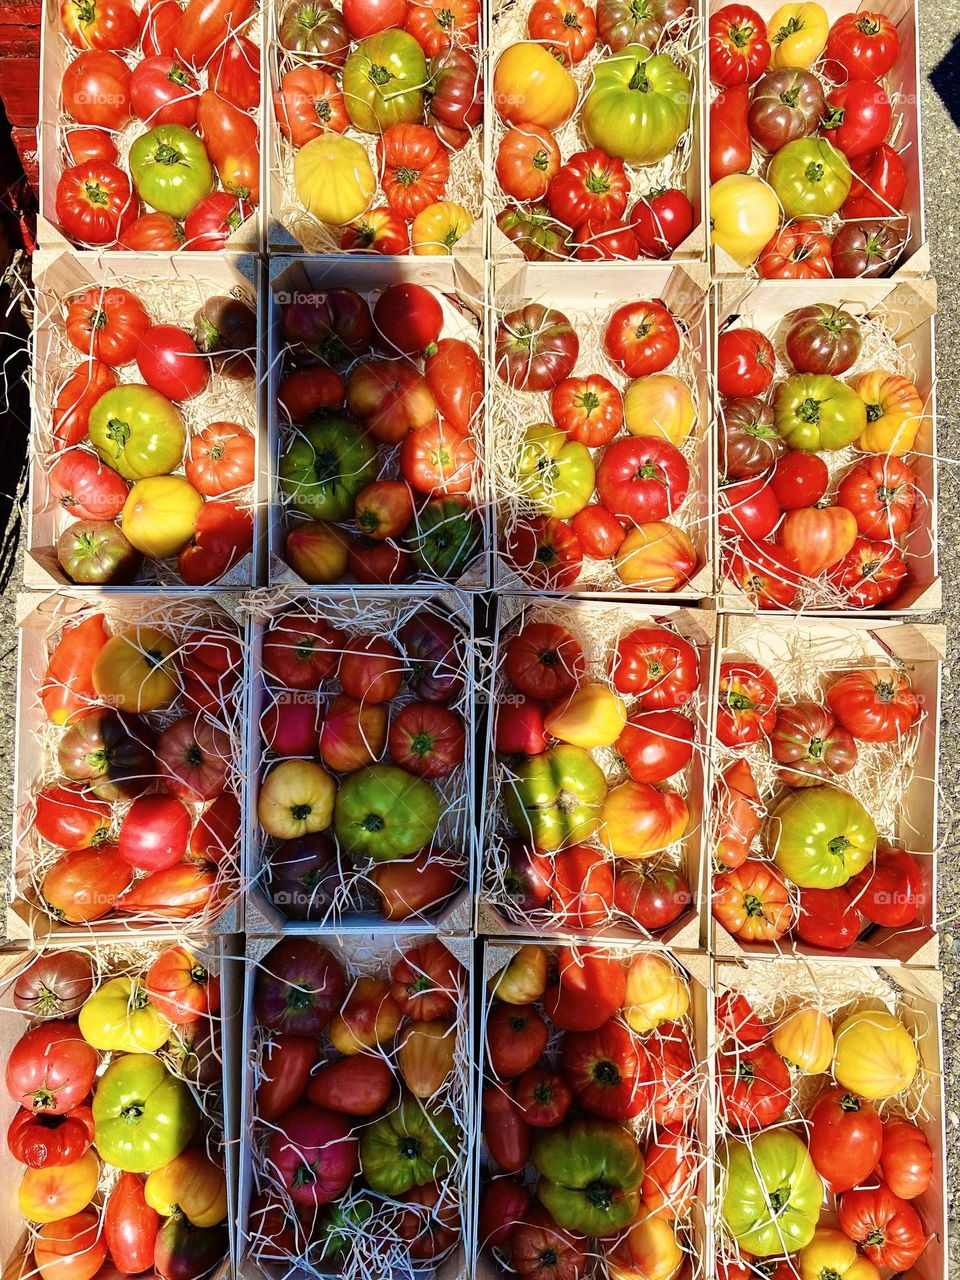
[589, 988]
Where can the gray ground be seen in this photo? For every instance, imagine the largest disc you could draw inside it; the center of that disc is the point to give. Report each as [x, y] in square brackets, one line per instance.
[940, 27]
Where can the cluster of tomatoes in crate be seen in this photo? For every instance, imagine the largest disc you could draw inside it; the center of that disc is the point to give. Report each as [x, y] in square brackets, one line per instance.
[616, 63]
[406, 73]
[801, 102]
[378, 462]
[590, 1102]
[358, 1103]
[353, 824]
[583, 756]
[117, 445]
[837, 537]
[570, 508]
[140, 817]
[159, 110]
[790, 1146]
[115, 1080]
[824, 874]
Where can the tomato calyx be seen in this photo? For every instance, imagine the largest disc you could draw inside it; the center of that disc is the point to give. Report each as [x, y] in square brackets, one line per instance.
[814, 171]
[305, 1176]
[737, 701]
[599, 1193]
[300, 812]
[597, 182]
[874, 411]
[834, 118]
[838, 846]
[605, 1072]
[809, 411]
[410, 1147]
[46, 1002]
[789, 28]
[869, 26]
[133, 1113]
[849, 1102]
[298, 998]
[752, 906]
[740, 36]
[780, 1198]
[444, 19]
[43, 1099]
[118, 433]
[378, 74]
[167, 155]
[548, 1257]
[639, 80]
[95, 193]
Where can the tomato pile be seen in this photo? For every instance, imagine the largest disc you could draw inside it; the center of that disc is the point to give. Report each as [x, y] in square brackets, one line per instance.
[590, 1105]
[603, 467]
[378, 459]
[160, 111]
[119, 1076]
[805, 858]
[815, 1108]
[379, 107]
[596, 773]
[593, 143]
[804, 180]
[155, 486]
[818, 492]
[358, 1145]
[134, 812]
[364, 795]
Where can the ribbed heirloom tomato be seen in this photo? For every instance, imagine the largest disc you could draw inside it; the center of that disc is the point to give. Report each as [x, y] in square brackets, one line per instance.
[527, 160]
[641, 338]
[747, 703]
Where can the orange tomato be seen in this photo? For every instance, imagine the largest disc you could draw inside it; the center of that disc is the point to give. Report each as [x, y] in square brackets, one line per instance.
[438, 227]
[656, 556]
[531, 87]
[59, 1191]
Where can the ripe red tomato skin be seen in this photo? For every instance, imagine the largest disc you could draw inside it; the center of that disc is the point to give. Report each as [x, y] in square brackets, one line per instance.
[749, 508]
[102, 219]
[799, 251]
[408, 318]
[735, 1017]
[581, 886]
[605, 241]
[70, 818]
[155, 832]
[863, 113]
[162, 91]
[303, 391]
[222, 536]
[85, 487]
[865, 44]
[890, 890]
[90, 144]
[590, 186]
[661, 222]
[220, 459]
[589, 989]
[153, 233]
[641, 338]
[671, 1059]
[454, 374]
[766, 572]
[169, 361]
[655, 745]
[747, 708]
[601, 534]
[845, 1135]
[544, 661]
[368, 17]
[657, 665]
[516, 1037]
[504, 1202]
[875, 705]
[519, 729]
[107, 324]
[828, 918]
[545, 552]
[652, 897]
[213, 220]
[506, 1134]
[159, 20]
[543, 1096]
[888, 1230]
[906, 1160]
[731, 149]
[799, 480]
[609, 1071]
[130, 1225]
[745, 362]
[742, 58]
[881, 493]
[642, 478]
[588, 410]
[234, 72]
[755, 1088]
[113, 25]
[870, 574]
[879, 185]
[96, 89]
[51, 1068]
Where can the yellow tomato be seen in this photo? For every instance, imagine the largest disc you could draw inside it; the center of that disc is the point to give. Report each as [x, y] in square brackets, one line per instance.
[875, 1055]
[592, 716]
[191, 1185]
[831, 1254]
[370, 1017]
[638, 819]
[541, 442]
[524, 979]
[805, 1040]
[438, 227]
[59, 1191]
[136, 671]
[530, 86]
[656, 992]
[797, 35]
[894, 412]
[656, 556]
[296, 799]
[744, 216]
[159, 515]
[659, 405]
[333, 178]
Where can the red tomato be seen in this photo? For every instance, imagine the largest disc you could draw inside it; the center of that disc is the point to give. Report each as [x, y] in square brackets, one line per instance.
[642, 478]
[383, 562]
[51, 1068]
[285, 1073]
[581, 887]
[519, 728]
[220, 459]
[881, 492]
[590, 187]
[544, 661]
[130, 1226]
[736, 1018]
[845, 1135]
[566, 28]
[545, 552]
[653, 897]
[107, 324]
[222, 536]
[799, 480]
[391, 397]
[206, 25]
[95, 202]
[414, 166]
[600, 534]
[427, 982]
[159, 20]
[163, 91]
[747, 703]
[155, 832]
[589, 988]
[41, 1140]
[193, 755]
[869, 575]
[217, 830]
[675, 1083]
[427, 740]
[81, 391]
[765, 572]
[169, 361]
[889, 892]
[96, 89]
[438, 459]
[371, 669]
[307, 104]
[503, 1204]
[408, 317]
[177, 893]
[858, 117]
[745, 362]
[541, 1248]
[749, 508]
[105, 24]
[888, 1230]
[656, 665]
[301, 652]
[609, 1071]
[655, 745]
[153, 233]
[799, 251]
[752, 902]
[85, 488]
[755, 1088]
[437, 25]
[506, 1133]
[70, 818]
[731, 148]
[879, 185]
[380, 230]
[589, 410]
[738, 814]
[384, 509]
[543, 1096]
[367, 17]
[527, 160]
[875, 704]
[82, 145]
[661, 221]
[641, 338]
[181, 987]
[906, 1161]
[68, 680]
[454, 374]
[827, 918]
[213, 220]
[234, 72]
[605, 241]
[739, 50]
[865, 44]
[304, 391]
[671, 1165]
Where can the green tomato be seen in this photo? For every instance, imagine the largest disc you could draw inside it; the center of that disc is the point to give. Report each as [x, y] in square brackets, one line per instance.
[383, 82]
[137, 431]
[339, 1226]
[590, 1175]
[820, 836]
[773, 1193]
[554, 799]
[445, 536]
[383, 813]
[143, 1116]
[560, 475]
[413, 1144]
[639, 105]
[326, 464]
[811, 178]
[171, 169]
[814, 411]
